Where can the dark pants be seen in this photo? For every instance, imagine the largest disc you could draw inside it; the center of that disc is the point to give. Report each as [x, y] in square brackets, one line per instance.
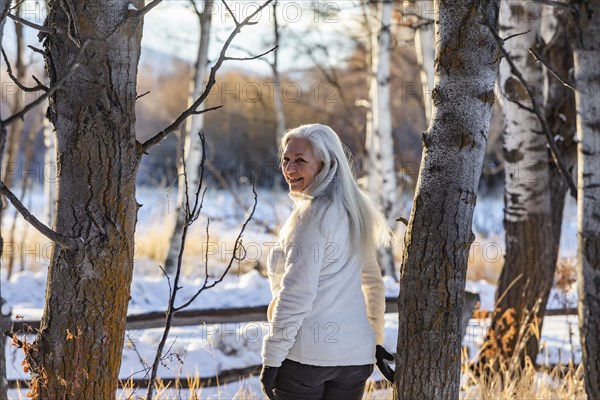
[297, 381]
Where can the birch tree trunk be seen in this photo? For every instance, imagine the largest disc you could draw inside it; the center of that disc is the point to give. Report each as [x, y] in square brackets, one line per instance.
[277, 98]
[425, 50]
[17, 127]
[439, 232]
[528, 272]
[371, 138]
[584, 33]
[382, 150]
[49, 173]
[193, 144]
[4, 6]
[77, 352]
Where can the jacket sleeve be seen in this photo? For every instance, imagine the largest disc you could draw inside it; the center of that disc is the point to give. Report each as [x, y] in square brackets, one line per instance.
[374, 292]
[303, 252]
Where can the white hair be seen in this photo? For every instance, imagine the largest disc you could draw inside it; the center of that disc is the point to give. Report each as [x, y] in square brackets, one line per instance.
[335, 183]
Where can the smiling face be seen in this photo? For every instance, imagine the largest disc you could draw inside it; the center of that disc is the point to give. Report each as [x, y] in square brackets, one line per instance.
[299, 164]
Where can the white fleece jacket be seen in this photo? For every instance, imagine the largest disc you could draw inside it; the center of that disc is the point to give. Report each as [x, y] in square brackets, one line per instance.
[328, 306]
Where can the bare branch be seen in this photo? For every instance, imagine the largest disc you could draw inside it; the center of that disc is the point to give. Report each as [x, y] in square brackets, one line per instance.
[518, 103]
[196, 10]
[67, 243]
[538, 112]
[36, 49]
[50, 91]
[539, 59]
[50, 31]
[252, 57]
[237, 24]
[157, 138]
[556, 4]
[236, 247]
[148, 8]
[24, 88]
[514, 35]
[141, 95]
[206, 110]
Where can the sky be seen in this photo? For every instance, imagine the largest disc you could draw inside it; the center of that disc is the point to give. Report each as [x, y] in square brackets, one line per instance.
[172, 28]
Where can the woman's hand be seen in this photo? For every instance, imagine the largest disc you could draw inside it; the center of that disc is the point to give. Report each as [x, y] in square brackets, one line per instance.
[267, 380]
[382, 354]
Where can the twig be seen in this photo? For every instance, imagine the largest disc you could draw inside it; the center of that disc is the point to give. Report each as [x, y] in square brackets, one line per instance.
[50, 31]
[252, 57]
[514, 35]
[16, 81]
[50, 91]
[538, 112]
[236, 246]
[67, 243]
[141, 95]
[36, 49]
[539, 59]
[148, 8]
[190, 217]
[206, 110]
[237, 24]
[157, 138]
[557, 4]
[518, 103]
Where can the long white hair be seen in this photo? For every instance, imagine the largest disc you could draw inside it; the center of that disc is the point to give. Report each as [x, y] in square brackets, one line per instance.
[336, 184]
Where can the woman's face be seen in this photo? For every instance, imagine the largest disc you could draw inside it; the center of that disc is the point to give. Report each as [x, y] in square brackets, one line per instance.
[299, 164]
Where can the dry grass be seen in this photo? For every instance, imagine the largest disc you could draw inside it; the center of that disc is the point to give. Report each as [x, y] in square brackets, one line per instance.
[524, 382]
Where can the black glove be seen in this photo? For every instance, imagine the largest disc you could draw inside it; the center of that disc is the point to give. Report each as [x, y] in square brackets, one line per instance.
[267, 380]
[381, 354]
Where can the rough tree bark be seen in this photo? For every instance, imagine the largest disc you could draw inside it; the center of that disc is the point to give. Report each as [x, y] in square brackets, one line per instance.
[584, 32]
[193, 144]
[439, 233]
[529, 265]
[77, 352]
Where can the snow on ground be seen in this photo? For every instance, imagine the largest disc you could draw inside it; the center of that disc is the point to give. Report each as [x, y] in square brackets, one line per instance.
[209, 349]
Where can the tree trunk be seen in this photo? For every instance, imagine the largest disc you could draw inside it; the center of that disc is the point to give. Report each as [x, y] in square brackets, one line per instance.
[584, 34]
[4, 6]
[11, 168]
[529, 263]
[77, 352]
[439, 233]
[425, 49]
[49, 173]
[382, 150]
[277, 98]
[193, 144]
[559, 103]
[15, 133]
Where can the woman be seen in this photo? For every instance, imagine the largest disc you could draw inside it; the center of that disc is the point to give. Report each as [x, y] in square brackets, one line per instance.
[328, 296]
